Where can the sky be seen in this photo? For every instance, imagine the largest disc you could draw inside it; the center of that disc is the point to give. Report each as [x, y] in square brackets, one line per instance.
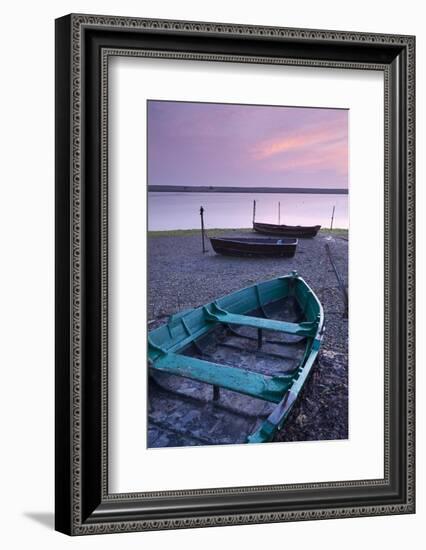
[218, 144]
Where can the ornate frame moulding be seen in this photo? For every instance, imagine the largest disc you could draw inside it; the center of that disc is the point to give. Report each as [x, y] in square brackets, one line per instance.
[84, 44]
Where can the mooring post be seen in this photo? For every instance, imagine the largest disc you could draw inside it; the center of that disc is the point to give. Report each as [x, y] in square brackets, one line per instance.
[340, 281]
[332, 218]
[202, 228]
[254, 210]
[279, 213]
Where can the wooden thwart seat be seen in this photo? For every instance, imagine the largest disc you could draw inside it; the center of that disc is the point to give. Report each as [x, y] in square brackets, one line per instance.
[231, 378]
[222, 316]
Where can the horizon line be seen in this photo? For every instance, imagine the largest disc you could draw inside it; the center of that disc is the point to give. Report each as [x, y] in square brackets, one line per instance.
[237, 189]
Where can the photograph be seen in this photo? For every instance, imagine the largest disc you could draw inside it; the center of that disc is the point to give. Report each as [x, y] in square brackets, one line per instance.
[248, 239]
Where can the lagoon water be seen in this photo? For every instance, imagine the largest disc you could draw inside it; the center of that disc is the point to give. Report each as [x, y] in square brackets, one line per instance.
[168, 211]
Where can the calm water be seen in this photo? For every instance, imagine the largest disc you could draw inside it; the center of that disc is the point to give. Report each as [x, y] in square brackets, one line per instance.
[228, 210]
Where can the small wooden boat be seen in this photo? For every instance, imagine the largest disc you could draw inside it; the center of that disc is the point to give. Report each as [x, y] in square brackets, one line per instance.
[231, 370]
[297, 231]
[249, 246]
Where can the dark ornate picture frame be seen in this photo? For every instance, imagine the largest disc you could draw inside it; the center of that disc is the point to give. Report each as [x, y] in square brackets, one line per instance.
[84, 44]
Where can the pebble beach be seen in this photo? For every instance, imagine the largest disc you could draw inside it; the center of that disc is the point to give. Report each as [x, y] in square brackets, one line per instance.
[181, 276]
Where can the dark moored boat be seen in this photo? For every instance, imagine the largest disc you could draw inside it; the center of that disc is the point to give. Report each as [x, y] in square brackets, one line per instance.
[286, 230]
[231, 370]
[249, 246]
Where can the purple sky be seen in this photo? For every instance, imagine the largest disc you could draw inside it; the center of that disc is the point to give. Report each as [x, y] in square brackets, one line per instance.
[244, 145]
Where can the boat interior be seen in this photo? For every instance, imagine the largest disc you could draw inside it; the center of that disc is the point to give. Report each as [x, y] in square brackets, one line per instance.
[223, 373]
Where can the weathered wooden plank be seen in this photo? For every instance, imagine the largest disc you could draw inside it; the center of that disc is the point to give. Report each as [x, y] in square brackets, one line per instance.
[230, 378]
[299, 329]
[276, 419]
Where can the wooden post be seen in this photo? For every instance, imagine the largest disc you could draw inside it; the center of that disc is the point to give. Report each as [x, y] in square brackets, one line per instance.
[254, 210]
[216, 393]
[202, 228]
[259, 338]
[340, 281]
[332, 218]
[279, 213]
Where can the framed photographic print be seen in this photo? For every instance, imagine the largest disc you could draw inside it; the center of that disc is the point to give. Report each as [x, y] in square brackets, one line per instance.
[234, 274]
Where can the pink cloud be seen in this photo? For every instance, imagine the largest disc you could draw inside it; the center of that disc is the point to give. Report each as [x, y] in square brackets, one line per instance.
[320, 147]
[333, 157]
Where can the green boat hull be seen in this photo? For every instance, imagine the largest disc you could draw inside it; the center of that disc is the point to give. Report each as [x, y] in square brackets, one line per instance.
[218, 373]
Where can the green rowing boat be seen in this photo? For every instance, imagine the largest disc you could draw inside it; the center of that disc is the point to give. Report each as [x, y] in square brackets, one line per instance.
[231, 370]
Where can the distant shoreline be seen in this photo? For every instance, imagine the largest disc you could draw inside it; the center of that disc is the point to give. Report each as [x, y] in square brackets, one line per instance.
[219, 189]
[217, 231]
